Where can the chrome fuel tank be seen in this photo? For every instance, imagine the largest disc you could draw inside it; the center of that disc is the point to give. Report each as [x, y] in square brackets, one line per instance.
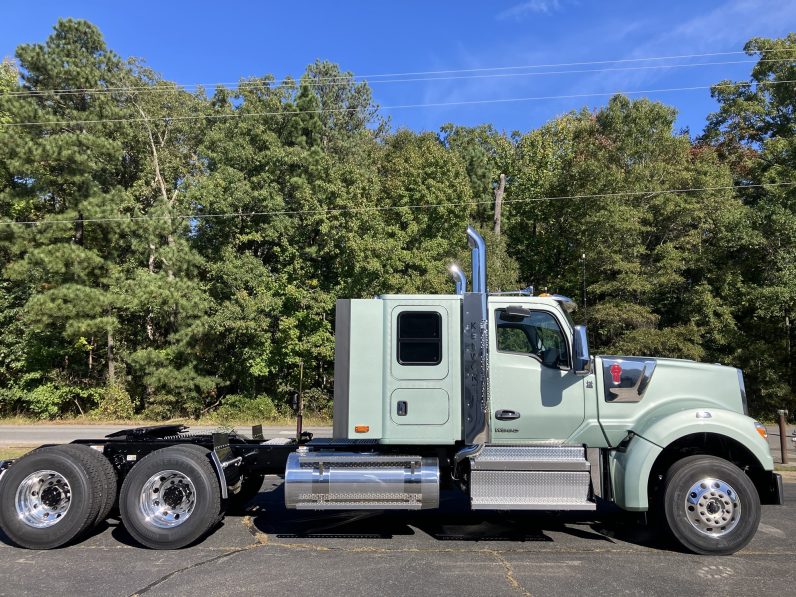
[350, 481]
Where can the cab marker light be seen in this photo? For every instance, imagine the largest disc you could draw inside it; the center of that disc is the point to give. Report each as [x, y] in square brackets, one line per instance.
[761, 429]
[362, 428]
[704, 414]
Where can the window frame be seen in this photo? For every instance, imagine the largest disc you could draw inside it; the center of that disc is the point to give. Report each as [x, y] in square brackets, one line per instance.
[399, 340]
[561, 329]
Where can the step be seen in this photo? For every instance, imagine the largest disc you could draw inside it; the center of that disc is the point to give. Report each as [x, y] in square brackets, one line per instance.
[531, 477]
[531, 458]
[530, 490]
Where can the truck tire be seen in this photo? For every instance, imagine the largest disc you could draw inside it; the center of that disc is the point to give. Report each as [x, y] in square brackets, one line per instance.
[170, 498]
[711, 506]
[106, 482]
[48, 497]
[205, 453]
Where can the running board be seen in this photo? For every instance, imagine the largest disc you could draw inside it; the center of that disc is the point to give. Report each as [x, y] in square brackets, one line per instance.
[543, 477]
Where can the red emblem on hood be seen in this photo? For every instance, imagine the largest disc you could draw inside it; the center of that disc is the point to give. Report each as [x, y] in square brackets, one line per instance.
[616, 372]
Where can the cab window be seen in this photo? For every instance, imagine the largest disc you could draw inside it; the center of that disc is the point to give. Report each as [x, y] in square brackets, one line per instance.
[536, 333]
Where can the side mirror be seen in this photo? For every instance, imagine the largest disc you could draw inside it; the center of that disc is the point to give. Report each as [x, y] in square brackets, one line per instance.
[581, 360]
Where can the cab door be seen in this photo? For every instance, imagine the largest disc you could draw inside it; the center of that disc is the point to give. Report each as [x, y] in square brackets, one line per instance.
[534, 393]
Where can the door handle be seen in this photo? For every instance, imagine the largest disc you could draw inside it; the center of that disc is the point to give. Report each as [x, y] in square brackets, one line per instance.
[507, 415]
[402, 408]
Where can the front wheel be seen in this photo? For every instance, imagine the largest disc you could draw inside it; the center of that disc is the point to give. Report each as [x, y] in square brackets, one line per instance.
[711, 506]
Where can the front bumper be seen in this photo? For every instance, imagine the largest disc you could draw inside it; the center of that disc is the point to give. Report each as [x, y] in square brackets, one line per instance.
[772, 493]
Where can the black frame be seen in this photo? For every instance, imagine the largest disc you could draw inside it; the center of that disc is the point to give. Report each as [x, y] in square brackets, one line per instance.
[404, 340]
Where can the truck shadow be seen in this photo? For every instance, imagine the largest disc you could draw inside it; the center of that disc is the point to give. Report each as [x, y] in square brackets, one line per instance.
[453, 521]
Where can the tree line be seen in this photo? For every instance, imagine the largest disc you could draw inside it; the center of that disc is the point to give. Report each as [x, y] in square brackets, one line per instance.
[124, 291]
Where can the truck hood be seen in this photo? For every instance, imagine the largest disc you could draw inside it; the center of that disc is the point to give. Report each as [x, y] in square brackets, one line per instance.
[678, 382]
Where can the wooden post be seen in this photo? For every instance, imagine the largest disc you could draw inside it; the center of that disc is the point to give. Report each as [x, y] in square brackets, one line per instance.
[300, 405]
[501, 188]
[783, 436]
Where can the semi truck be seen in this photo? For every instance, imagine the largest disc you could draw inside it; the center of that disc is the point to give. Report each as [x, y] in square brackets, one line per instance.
[491, 394]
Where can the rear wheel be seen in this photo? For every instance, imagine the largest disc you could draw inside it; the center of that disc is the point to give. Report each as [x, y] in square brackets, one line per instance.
[204, 453]
[170, 498]
[48, 497]
[105, 482]
[711, 506]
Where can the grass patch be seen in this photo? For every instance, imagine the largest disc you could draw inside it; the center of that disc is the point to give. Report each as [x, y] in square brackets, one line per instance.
[281, 421]
[11, 452]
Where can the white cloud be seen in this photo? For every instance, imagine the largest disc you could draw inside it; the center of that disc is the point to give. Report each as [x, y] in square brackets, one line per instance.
[518, 11]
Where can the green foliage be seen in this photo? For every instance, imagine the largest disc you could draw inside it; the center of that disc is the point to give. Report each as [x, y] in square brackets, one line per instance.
[52, 400]
[236, 408]
[113, 404]
[160, 315]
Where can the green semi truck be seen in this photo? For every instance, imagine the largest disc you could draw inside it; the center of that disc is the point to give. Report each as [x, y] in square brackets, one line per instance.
[494, 395]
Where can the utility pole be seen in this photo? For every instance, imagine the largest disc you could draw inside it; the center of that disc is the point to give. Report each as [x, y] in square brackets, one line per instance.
[501, 188]
[583, 291]
[78, 237]
[788, 348]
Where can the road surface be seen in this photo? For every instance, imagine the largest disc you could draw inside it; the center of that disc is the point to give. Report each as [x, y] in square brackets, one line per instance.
[270, 551]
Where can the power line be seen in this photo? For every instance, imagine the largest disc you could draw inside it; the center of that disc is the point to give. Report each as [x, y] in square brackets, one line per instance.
[619, 194]
[239, 114]
[439, 72]
[318, 83]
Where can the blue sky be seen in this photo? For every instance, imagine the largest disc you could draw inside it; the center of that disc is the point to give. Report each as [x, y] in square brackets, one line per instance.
[208, 42]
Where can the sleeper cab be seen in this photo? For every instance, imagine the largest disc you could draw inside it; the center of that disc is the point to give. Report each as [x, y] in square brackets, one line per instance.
[397, 373]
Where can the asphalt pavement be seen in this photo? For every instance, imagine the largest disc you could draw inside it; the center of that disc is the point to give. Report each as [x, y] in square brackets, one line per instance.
[268, 550]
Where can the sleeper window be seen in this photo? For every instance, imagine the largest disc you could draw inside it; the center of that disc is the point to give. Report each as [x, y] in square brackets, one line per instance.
[419, 338]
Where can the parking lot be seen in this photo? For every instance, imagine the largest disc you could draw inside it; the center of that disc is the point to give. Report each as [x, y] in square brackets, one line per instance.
[268, 550]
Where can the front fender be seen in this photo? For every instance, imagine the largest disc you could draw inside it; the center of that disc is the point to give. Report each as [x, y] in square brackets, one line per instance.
[630, 470]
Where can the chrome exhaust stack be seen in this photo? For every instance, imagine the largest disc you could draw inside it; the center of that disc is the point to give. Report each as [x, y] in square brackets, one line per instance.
[478, 247]
[352, 481]
[458, 276]
[475, 349]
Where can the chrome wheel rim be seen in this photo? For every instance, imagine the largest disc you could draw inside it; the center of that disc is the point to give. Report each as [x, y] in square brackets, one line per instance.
[43, 499]
[712, 507]
[167, 499]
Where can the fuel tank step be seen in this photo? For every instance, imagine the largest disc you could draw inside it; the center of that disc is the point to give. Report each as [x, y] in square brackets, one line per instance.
[353, 481]
[530, 477]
